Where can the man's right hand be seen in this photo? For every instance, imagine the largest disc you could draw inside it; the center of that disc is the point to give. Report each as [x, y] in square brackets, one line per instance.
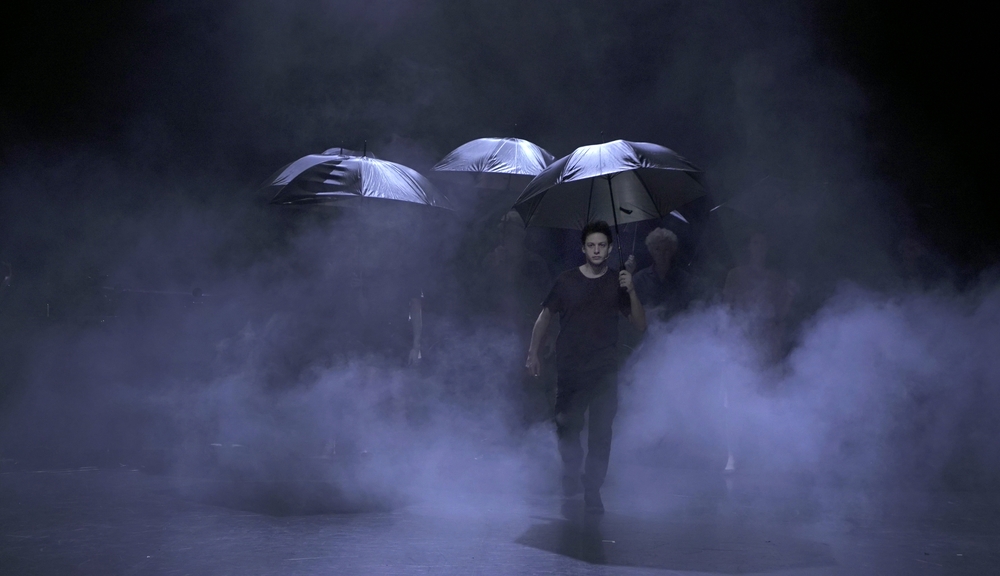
[532, 364]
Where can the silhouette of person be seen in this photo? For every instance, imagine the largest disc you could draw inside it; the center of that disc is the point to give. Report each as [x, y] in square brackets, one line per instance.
[760, 299]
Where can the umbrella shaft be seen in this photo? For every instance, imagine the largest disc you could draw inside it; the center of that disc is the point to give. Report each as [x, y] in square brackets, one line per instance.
[614, 216]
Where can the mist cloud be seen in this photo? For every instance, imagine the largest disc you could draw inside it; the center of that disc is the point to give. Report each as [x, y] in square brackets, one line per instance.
[881, 390]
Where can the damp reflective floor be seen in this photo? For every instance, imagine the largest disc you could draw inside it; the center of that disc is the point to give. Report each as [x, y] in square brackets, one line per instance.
[119, 520]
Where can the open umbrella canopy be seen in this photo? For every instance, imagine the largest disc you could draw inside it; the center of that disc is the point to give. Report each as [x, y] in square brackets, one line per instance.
[619, 182]
[483, 177]
[344, 180]
[496, 162]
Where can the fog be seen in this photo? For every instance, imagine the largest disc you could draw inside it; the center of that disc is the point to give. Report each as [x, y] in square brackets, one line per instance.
[879, 392]
[111, 357]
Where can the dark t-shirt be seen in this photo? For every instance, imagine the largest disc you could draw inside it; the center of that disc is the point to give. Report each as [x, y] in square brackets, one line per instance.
[588, 311]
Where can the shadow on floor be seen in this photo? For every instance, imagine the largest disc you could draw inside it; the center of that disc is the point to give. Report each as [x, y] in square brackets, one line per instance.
[708, 545]
[287, 498]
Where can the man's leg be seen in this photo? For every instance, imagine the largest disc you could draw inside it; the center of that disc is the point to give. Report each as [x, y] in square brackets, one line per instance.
[570, 407]
[603, 407]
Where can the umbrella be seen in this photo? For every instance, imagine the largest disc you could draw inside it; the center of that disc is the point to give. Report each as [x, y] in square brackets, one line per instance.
[346, 180]
[392, 209]
[620, 181]
[293, 168]
[501, 165]
[505, 159]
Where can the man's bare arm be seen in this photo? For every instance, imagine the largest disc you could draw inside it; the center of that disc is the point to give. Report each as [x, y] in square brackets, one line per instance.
[537, 335]
[637, 316]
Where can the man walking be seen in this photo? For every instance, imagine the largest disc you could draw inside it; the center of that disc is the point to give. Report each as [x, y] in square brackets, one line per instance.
[587, 300]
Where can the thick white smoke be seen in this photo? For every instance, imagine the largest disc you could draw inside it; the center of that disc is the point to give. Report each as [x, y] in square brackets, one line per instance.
[879, 389]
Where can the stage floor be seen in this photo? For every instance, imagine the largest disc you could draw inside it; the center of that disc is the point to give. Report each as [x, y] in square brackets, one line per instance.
[110, 520]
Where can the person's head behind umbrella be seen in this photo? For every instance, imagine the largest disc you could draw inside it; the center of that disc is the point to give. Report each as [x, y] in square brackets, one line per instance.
[595, 247]
[662, 245]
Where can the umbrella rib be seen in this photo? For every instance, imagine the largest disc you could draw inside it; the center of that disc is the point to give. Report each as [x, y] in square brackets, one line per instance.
[614, 214]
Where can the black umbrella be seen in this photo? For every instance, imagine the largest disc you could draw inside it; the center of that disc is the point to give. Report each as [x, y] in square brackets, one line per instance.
[345, 180]
[503, 166]
[619, 181]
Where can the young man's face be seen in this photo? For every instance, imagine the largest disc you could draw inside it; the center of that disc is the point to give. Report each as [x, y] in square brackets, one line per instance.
[597, 247]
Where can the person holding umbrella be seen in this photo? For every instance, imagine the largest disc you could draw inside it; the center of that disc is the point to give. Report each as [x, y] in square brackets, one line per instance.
[386, 206]
[587, 301]
[760, 299]
[622, 182]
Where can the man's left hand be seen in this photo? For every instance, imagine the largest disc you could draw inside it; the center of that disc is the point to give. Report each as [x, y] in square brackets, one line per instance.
[625, 281]
[415, 356]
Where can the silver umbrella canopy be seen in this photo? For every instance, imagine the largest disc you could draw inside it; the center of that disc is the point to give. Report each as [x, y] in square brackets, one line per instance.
[619, 182]
[344, 180]
[304, 163]
[495, 162]
[485, 175]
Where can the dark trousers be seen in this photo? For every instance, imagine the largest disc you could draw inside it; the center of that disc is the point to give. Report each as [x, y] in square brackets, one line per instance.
[576, 394]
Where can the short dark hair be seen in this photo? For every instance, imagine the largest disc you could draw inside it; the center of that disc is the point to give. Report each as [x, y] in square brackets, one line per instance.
[597, 226]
